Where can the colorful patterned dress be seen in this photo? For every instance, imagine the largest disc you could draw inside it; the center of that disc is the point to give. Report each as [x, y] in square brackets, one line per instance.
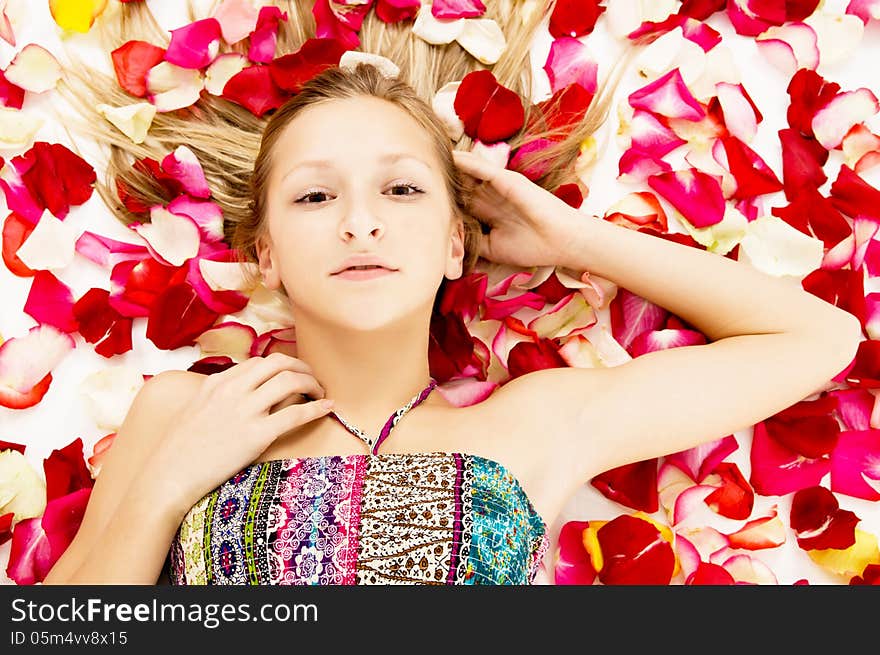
[379, 518]
[388, 518]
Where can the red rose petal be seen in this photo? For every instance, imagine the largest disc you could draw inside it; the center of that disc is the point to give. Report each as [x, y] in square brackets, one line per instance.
[634, 552]
[131, 61]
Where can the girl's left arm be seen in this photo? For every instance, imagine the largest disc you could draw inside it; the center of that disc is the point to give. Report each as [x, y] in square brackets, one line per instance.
[772, 344]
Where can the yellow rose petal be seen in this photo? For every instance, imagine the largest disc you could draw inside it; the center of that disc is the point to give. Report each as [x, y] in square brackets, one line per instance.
[22, 490]
[76, 15]
[849, 561]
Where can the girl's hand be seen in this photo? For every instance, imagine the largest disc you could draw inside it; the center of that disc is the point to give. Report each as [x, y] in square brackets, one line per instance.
[235, 415]
[529, 226]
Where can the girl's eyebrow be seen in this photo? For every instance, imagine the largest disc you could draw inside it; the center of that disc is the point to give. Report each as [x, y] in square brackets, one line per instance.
[390, 158]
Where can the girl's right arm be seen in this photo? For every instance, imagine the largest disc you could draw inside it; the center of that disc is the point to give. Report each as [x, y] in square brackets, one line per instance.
[181, 439]
[138, 538]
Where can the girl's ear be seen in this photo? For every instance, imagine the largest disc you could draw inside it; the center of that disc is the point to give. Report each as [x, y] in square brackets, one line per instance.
[454, 264]
[268, 270]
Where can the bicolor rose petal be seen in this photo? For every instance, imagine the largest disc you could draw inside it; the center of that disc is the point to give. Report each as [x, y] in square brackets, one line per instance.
[34, 69]
[733, 497]
[171, 87]
[570, 315]
[702, 459]
[668, 96]
[696, 195]
[26, 365]
[789, 47]
[749, 570]
[866, 10]
[171, 238]
[7, 32]
[764, 532]
[650, 133]
[741, 115]
[131, 63]
[183, 165]
[132, 120]
[452, 9]
[861, 148]
[570, 61]
[222, 292]
[206, 214]
[832, 122]
[230, 338]
[194, 45]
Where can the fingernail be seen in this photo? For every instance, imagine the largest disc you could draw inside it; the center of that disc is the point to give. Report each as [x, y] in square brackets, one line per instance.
[326, 404]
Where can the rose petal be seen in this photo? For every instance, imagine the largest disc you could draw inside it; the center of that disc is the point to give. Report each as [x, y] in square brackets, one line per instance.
[171, 87]
[34, 69]
[183, 165]
[221, 70]
[131, 63]
[253, 88]
[194, 45]
[265, 35]
[132, 120]
[50, 246]
[108, 394]
[17, 129]
[237, 19]
[573, 565]
[483, 39]
[26, 363]
[832, 122]
[22, 490]
[171, 238]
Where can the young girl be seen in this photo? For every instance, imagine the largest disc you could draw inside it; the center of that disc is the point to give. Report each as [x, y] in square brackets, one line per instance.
[358, 209]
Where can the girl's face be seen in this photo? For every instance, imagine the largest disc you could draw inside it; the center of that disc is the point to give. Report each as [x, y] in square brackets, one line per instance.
[379, 191]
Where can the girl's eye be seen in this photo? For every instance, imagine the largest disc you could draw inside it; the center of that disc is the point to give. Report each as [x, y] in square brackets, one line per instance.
[309, 194]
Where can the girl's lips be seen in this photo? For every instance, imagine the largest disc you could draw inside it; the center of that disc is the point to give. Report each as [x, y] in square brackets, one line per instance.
[366, 274]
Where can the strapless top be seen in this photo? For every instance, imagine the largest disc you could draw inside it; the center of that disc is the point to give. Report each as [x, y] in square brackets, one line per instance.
[387, 518]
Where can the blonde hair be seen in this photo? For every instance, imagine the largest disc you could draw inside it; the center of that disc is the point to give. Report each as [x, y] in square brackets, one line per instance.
[234, 147]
